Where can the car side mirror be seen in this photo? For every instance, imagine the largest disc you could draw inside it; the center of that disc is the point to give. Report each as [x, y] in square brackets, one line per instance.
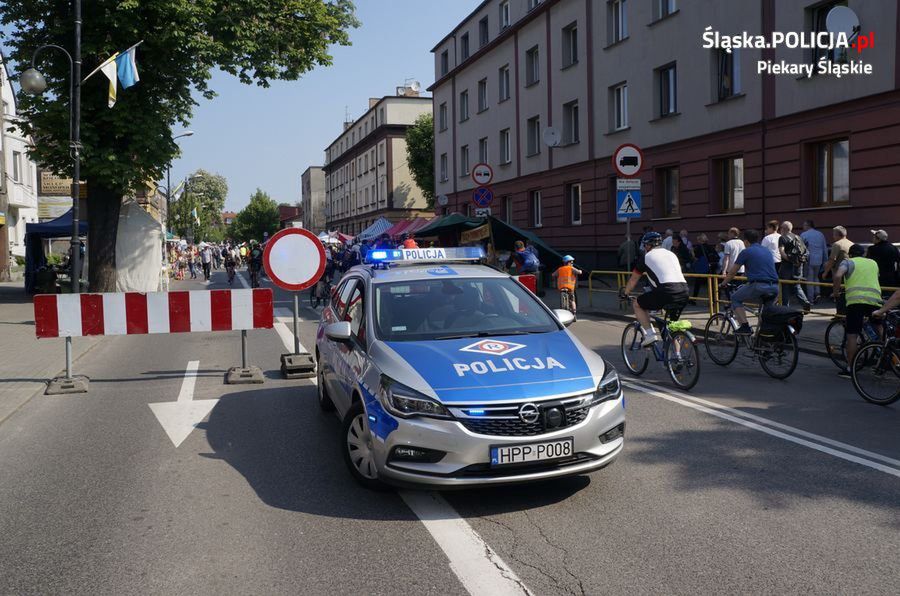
[339, 332]
[565, 317]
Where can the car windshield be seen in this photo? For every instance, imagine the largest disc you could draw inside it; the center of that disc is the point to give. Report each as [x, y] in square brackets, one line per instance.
[436, 309]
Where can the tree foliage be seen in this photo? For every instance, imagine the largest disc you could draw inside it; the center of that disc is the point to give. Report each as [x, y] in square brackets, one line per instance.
[206, 192]
[420, 155]
[258, 218]
[184, 40]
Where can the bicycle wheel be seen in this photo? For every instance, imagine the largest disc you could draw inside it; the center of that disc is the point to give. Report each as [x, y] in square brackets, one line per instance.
[779, 358]
[635, 356]
[683, 361]
[721, 342]
[836, 343]
[876, 374]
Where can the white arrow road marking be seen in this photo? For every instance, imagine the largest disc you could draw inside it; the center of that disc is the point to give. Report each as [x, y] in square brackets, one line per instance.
[180, 418]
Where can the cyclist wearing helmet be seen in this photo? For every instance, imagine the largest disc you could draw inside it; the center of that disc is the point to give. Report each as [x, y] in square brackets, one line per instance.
[566, 282]
[664, 273]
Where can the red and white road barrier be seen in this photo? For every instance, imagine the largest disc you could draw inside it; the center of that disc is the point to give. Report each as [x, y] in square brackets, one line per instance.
[134, 313]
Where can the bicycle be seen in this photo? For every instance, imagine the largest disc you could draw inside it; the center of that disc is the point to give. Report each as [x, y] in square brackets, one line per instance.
[677, 350]
[836, 340]
[875, 370]
[776, 349]
[567, 301]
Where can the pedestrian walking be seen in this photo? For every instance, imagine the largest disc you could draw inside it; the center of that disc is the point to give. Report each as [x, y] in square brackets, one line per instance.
[627, 254]
[206, 261]
[839, 250]
[733, 247]
[706, 261]
[685, 239]
[794, 255]
[685, 258]
[887, 257]
[772, 239]
[818, 254]
[667, 241]
[192, 260]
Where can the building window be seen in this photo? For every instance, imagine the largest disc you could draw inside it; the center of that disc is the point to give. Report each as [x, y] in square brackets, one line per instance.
[381, 115]
[464, 47]
[504, 14]
[443, 167]
[620, 106]
[504, 83]
[17, 166]
[532, 66]
[667, 183]
[464, 106]
[570, 45]
[445, 65]
[573, 194]
[533, 4]
[505, 152]
[483, 150]
[663, 8]
[536, 214]
[617, 17]
[482, 95]
[730, 172]
[442, 117]
[570, 123]
[817, 16]
[832, 173]
[507, 209]
[468, 209]
[464, 161]
[483, 34]
[728, 73]
[534, 136]
[666, 82]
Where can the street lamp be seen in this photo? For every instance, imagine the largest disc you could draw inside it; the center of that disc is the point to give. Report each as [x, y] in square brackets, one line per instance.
[187, 133]
[34, 83]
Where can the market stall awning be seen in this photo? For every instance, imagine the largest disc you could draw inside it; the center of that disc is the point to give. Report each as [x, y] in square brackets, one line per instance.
[57, 228]
[378, 228]
[449, 223]
[407, 226]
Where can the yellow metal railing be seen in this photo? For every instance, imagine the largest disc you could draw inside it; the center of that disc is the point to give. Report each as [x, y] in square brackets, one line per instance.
[712, 287]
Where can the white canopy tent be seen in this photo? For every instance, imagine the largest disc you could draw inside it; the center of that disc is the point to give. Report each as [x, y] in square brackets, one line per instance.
[138, 250]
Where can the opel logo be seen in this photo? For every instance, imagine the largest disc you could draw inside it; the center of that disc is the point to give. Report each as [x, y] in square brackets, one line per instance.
[529, 414]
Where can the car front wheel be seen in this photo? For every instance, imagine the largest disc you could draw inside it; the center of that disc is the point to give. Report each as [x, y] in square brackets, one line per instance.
[358, 450]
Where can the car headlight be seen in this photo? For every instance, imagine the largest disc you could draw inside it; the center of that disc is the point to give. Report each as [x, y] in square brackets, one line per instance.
[402, 401]
[609, 387]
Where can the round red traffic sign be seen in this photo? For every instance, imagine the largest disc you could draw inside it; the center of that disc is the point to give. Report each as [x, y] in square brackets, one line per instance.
[294, 259]
[482, 174]
[628, 160]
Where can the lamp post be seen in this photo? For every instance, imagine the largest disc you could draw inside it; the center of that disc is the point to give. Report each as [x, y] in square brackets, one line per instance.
[187, 133]
[33, 82]
[187, 183]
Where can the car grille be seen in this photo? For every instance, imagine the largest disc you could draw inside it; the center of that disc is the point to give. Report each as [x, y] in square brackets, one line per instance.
[504, 421]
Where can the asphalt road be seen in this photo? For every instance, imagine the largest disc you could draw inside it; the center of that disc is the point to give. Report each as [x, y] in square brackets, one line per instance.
[746, 485]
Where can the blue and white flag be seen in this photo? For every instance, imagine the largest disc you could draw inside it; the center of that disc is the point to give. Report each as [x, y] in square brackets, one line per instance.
[126, 65]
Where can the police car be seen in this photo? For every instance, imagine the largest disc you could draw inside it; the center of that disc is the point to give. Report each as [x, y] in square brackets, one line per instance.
[446, 372]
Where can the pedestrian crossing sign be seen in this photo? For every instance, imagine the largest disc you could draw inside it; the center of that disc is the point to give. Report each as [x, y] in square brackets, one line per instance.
[628, 203]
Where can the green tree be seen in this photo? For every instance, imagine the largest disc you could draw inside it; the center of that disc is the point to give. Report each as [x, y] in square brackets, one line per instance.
[420, 155]
[257, 219]
[206, 192]
[257, 41]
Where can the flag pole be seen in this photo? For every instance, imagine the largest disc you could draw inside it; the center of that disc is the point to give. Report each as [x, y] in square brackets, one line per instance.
[110, 59]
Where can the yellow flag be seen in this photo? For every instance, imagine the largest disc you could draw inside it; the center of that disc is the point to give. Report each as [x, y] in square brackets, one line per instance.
[109, 69]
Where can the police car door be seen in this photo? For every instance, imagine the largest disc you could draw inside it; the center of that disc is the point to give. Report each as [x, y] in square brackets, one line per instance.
[332, 351]
[352, 357]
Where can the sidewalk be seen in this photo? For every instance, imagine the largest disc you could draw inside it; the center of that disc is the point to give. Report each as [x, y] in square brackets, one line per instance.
[607, 304]
[28, 363]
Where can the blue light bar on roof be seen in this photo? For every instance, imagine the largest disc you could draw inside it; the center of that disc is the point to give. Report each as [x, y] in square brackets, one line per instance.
[424, 255]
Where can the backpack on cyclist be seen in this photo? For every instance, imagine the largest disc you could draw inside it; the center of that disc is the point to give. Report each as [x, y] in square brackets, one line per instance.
[775, 318]
[796, 250]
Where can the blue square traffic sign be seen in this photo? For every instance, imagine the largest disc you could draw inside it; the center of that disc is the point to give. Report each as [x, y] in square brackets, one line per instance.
[628, 203]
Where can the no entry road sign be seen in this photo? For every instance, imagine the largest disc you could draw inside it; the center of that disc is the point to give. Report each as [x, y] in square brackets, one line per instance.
[294, 259]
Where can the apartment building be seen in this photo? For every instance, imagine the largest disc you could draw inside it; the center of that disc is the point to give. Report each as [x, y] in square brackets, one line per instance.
[366, 170]
[312, 198]
[723, 145]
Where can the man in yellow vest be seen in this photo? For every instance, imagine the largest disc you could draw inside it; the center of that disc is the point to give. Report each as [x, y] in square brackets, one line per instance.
[862, 293]
[566, 282]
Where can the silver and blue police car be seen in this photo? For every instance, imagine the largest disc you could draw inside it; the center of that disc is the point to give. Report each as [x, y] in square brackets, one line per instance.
[448, 373]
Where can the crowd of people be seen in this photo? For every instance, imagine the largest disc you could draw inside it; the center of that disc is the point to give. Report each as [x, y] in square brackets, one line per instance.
[806, 256]
[190, 261]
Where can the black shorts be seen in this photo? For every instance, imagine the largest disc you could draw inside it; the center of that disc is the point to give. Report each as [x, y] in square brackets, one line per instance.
[856, 314]
[664, 295]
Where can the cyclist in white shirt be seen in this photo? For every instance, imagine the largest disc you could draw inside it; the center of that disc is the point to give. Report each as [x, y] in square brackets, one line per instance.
[664, 273]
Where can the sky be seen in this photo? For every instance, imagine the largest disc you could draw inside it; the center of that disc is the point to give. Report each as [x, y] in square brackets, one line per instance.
[266, 138]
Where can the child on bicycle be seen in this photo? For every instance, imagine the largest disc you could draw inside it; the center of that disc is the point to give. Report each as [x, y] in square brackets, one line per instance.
[566, 282]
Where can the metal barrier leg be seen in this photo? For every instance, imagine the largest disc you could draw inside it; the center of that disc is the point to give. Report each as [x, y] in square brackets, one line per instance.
[245, 374]
[69, 383]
